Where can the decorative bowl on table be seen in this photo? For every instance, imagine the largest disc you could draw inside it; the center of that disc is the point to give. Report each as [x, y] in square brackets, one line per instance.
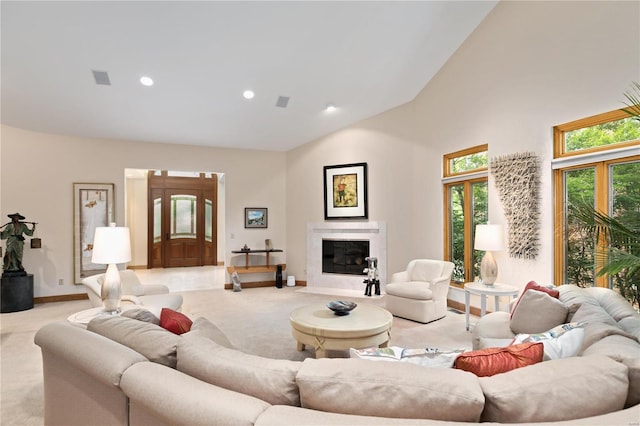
[341, 308]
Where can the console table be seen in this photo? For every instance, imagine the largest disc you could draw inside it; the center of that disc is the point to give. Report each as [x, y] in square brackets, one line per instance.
[246, 269]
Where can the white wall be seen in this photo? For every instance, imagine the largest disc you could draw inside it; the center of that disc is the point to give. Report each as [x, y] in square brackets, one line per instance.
[38, 171]
[527, 67]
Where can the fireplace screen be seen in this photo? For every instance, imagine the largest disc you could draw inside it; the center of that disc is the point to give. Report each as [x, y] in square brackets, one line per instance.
[344, 257]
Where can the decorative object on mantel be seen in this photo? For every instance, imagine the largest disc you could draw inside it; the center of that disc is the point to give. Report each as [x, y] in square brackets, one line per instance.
[345, 191]
[488, 238]
[255, 217]
[341, 308]
[372, 276]
[517, 178]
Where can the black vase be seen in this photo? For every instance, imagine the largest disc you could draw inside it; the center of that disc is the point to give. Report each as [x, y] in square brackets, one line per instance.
[279, 276]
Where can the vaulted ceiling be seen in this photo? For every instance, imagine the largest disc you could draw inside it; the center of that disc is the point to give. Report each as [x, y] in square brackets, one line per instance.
[364, 57]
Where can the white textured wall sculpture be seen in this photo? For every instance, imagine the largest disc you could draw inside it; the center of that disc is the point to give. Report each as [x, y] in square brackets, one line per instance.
[517, 178]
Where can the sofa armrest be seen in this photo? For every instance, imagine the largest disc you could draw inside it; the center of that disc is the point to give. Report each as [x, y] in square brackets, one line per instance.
[81, 376]
[96, 355]
[172, 397]
[492, 327]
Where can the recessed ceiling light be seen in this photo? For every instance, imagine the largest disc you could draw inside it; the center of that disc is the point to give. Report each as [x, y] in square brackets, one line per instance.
[146, 81]
[330, 108]
[248, 94]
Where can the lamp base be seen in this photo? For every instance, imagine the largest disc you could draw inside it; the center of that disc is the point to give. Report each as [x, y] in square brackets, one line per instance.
[111, 291]
[488, 269]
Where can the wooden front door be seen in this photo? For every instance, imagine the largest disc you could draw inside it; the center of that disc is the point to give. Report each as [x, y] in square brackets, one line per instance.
[182, 219]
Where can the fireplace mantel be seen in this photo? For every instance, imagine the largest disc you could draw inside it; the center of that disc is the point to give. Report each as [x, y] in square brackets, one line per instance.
[375, 232]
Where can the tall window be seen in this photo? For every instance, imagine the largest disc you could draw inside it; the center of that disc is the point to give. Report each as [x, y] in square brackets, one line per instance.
[597, 163]
[465, 203]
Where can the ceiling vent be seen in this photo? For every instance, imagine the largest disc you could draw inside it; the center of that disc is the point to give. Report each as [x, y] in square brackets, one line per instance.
[101, 77]
[282, 102]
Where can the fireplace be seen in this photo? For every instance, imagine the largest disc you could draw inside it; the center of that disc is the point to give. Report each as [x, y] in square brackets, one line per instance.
[375, 233]
[344, 256]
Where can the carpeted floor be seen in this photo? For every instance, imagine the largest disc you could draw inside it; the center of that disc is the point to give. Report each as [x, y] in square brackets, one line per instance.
[255, 320]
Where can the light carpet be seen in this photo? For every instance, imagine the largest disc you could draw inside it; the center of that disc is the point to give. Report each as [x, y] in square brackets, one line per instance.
[255, 321]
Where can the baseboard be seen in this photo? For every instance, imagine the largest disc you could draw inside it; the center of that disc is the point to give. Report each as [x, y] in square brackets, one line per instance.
[256, 284]
[459, 306]
[60, 298]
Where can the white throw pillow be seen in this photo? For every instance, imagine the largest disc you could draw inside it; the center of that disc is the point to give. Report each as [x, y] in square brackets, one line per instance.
[563, 341]
[428, 357]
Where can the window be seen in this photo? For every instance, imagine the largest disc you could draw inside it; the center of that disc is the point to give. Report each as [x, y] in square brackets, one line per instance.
[465, 203]
[598, 164]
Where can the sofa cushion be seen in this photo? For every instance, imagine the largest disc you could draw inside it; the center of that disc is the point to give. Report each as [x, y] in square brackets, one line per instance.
[418, 290]
[490, 361]
[626, 351]
[563, 341]
[152, 341]
[598, 325]
[272, 380]
[205, 328]
[537, 312]
[174, 321]
[363, 387]
[141, 314]
[555, 390]
[532, 285]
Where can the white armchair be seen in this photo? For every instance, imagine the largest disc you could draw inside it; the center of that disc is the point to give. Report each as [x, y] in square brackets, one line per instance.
[420, 292]
[153, 297]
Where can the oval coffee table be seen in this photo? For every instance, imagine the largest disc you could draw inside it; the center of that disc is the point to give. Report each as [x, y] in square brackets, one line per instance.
[316, 325]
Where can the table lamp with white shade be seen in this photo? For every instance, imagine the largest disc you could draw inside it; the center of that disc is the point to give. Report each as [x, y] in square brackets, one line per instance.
[111, 245]
[489, 239]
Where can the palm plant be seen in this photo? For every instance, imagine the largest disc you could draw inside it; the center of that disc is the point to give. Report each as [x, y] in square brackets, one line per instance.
[633, 101]
[620, 256]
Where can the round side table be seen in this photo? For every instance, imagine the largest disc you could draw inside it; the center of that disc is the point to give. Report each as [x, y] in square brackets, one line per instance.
[496, 290]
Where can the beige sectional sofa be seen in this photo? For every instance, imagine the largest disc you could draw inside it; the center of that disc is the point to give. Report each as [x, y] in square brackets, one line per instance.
[123, 371]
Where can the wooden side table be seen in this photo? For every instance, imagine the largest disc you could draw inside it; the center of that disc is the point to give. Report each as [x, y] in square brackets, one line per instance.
[496, 290]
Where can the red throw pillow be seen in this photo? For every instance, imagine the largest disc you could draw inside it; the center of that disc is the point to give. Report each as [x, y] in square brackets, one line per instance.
[532, 285]
[174, 321]
[490, 361]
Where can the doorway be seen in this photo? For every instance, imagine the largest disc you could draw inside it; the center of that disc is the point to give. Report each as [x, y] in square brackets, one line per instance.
[182, 220]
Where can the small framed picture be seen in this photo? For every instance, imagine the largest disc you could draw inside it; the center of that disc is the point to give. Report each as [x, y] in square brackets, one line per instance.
[255, 217]
[345, 191]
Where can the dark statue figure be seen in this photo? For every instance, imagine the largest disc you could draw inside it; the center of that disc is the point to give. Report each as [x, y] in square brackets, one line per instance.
[372, 276]
[13, 233]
